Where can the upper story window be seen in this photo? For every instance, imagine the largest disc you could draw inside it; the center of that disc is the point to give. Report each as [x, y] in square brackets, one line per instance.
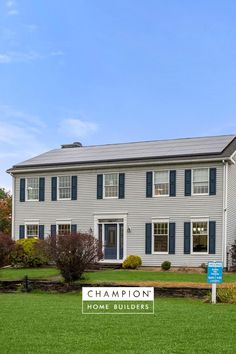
[63, 229]
[160, 237]
[64, 187]
[200, 237]
[161, 183]
[200, 181]
[32, 188]
[111, 185]
[32, 230]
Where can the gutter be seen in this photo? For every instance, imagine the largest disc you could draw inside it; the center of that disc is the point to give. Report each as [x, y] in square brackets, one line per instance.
[108, 165]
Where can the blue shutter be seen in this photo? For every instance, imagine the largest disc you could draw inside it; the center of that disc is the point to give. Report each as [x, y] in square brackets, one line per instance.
[212, 181]
[53, 230]
[22, 231]
[187, 233]
[74, 188]
[188, 182]
[148, 239]
[149, 176]
[99, 186]
[212, 237]
[41, 189]
[54, 188]
[172, 238]
[73, 228]
[22, 190]
[172, 183]
[41, 232]
[121, 185]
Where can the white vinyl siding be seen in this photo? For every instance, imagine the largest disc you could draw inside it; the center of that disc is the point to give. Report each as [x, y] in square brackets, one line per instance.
[140, 210]
[64, 187]
[32, 188]
[111, 181]
[200, 181]
[161, 183]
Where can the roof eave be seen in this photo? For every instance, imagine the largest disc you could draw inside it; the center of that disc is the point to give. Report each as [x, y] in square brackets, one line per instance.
[116, 163]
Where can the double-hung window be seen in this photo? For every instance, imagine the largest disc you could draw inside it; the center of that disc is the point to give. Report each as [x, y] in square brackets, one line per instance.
[63, 229]
[200, 237]
[200, 181]
[32, 230]
[32, 188]
[64, 187]
[160, 237]
[161, 183]
[111, 182]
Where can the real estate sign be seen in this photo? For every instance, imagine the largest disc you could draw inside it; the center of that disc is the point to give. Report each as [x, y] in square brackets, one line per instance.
[215, 271]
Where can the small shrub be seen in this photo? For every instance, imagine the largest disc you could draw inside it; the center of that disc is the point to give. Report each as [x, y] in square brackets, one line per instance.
[6, 246]
[226, 295]
[166, 265]
[73, 253]
[29, 252]
[132, 262]
[223, 295]
[204, 267]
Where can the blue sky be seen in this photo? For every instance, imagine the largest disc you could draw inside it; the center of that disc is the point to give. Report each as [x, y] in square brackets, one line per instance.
[102, 71]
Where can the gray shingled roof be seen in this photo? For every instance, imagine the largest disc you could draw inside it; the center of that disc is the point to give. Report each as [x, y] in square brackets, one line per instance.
[139, 150]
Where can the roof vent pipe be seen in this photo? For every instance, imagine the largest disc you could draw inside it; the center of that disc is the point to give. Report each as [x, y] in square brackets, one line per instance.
[76, 144]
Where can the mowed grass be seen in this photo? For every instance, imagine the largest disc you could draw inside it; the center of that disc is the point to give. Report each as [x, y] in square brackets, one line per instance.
[119, 275]
[140, 275]
[37, 273]
[53, 323]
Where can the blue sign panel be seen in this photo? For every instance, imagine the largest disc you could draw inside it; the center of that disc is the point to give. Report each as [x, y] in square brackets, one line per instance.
[215, 270]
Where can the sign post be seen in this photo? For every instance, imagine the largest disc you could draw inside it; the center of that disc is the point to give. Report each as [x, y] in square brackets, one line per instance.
[214, 276]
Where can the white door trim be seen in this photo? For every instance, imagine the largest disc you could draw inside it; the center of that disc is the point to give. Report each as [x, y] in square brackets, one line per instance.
[112, 216]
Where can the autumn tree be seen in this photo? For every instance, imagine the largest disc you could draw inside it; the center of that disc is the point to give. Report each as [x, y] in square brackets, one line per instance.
[5, 211]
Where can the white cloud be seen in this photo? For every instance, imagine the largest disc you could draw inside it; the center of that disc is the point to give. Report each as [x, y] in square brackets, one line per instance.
[77, 128]
[11, 7]
[21, 57]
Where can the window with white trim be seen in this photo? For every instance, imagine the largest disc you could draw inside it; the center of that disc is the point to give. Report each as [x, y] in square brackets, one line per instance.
[200, 237]
[160, 237]
[161, 183]
[200, 181]
[64, 187]
[111, 185]
[63, 229]
[32, 230]
[32, 188]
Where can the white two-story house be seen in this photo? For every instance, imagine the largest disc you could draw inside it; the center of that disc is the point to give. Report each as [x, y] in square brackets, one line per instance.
[162, 200]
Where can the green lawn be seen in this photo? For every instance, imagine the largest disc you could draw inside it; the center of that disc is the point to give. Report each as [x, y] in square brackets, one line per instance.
[53, 323]
[134, 275]
[113, 275]
[17, 274]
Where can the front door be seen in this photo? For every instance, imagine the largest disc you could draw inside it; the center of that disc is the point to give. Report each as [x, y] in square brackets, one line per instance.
[110, 244]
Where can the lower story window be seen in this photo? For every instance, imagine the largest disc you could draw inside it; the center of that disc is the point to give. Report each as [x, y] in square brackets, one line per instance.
[200, 237]
[32, 230]
[63, 229]
[160, 237]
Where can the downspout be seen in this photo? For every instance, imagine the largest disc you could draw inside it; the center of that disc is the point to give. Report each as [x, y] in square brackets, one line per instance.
[225, 212]
[13, 209]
